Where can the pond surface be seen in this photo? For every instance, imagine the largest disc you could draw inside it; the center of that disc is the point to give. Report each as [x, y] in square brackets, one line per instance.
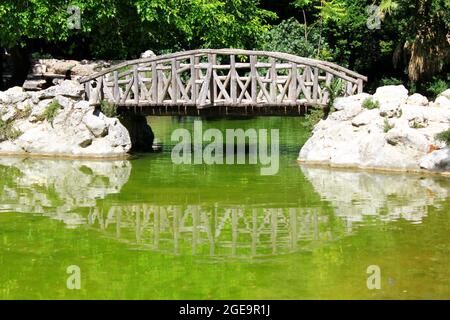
[145, 228]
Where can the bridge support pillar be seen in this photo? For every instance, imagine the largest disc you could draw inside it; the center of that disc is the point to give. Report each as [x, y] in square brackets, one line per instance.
[141, 133]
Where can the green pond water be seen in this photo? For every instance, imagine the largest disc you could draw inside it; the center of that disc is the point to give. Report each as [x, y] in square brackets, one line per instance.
[145, 228]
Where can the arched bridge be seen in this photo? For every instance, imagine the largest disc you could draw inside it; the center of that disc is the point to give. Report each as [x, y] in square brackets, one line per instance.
[220, 81]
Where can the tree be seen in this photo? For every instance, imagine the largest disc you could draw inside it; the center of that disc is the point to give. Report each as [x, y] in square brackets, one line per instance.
[423, 28]
[121, 29]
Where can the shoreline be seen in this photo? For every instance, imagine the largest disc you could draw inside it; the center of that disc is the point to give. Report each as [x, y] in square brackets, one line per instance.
[48, 156]
[322, 164]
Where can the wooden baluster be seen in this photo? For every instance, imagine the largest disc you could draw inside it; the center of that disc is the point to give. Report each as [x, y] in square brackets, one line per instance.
[293, 84]
[212, 83]
[233, 86]
[360, 86]
[273, 82]
[193, 80]
[254, 93]
[116, 90]
[307, 80]
[136, 84]
[154, 83]
[316, 85]
[174, 82]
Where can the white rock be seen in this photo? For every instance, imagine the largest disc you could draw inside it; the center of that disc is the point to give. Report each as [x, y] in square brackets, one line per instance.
[13, 95]
[438, 160]
[365, 117]
[67, 88]
[341, 103]
[417, 99]
[390, 99]
[96, 125]
[148, 54]
[446, 94]
[408, 138]
[442, 102]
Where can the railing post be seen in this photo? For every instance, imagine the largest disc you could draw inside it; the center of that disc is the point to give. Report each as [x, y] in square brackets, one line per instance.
[136, 84]
[116, 90]
[174, 82]
[315, 85]
[293, 84]
[254, 93]
[154, 82]
[193, 80]
[360, 86]
[212, 83]
[233, 86]
[273, 82]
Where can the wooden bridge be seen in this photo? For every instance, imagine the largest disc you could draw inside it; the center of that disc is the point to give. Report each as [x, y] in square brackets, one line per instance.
[220, 81]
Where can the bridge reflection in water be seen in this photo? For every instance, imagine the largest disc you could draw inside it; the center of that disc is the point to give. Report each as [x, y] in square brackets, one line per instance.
[93, 194]
[216, 231]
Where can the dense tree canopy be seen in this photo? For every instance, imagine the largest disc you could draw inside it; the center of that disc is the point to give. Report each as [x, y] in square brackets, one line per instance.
[412, 42]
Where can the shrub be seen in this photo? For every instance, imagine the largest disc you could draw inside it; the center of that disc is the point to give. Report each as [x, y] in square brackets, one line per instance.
[7, 131]
[289, 37]
[51, 111]
[444, 136]
[387, 125]
[108, 109]
[435, 87]
[390, 81]
[370, 104]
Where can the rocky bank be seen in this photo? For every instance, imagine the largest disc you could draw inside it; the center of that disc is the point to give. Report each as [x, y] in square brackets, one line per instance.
[58, 122]
[397, 133]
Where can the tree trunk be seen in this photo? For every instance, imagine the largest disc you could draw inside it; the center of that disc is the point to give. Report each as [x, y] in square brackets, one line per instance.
[429, 48]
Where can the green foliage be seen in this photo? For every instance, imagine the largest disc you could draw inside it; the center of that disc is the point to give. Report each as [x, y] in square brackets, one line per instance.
[387, 125]
[436, 86]
[7, 131]
[335, 89]
[51, 111]
[311, 119]
[291, 36]
[119, 29]
[390, 82]
[444, 136]
[370, 103]
[108, 109]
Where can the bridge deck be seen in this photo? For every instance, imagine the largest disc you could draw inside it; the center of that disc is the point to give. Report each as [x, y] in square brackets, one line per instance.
[225, 80]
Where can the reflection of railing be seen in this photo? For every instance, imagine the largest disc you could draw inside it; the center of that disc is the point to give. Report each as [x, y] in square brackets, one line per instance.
[230, 231]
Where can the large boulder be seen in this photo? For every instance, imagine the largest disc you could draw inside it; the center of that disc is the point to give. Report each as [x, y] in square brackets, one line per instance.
[58, 122]
[363, 138]
[438, 160]
[67, 88]
[417, 99]
[390, 99]
[442, 102]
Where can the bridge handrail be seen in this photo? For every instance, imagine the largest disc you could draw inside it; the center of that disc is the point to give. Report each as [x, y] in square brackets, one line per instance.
[324, 65]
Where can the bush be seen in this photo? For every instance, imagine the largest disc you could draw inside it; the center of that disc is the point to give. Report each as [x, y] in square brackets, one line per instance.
[289, 37]
[444, 136]
[435, 87]
[390, 81]
[7, 131]
[51, 111]
[108, 109]
[370, 104]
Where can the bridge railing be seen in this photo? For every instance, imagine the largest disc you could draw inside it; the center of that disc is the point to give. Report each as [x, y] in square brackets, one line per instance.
[227, 77]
